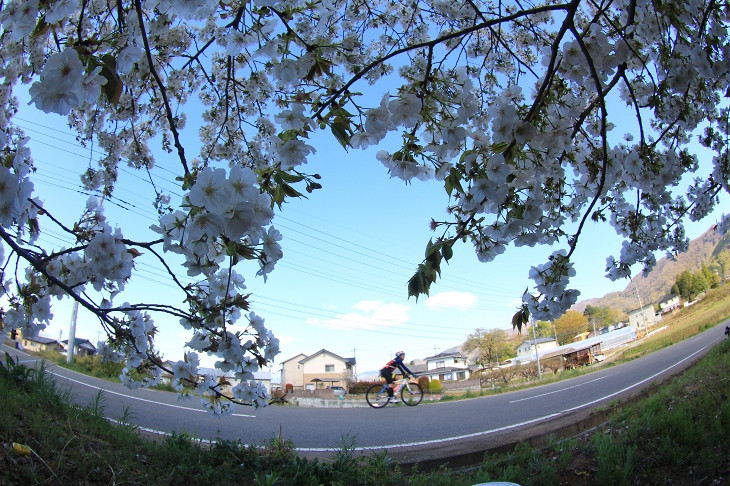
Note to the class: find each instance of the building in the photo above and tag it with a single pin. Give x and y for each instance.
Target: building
(543, 345)
(263, 377)
(668, 304)
(605, 341)
(323, 369)
(450, 365)
(642, 318)
(83, 347)
(40, 343)
(292, 372)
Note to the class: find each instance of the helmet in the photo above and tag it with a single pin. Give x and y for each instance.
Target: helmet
(399, 353)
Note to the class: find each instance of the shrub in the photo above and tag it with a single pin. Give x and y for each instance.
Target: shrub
(424, 382)
(434, 386)
(360, 387)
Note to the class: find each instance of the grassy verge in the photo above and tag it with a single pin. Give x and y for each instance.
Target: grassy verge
(678, 435)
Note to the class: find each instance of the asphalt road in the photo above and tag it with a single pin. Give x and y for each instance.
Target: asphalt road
(427, 430)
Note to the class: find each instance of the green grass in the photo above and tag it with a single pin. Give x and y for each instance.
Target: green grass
(678, 435)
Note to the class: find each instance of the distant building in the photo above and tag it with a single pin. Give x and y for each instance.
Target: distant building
(323, 369)
(670, 303)
(446, 366)
(642, 317)
(543, 345)
(292, 372)
(40, 343)
(607, 341)
(83, 347)
(263, 377)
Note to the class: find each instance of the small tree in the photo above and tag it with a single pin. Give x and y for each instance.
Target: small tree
(434, 386)
(527, 371)
(347, 379)
(570, 325)
(600, 316)
(491, 346)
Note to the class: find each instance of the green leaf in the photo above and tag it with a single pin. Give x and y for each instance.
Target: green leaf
(432, 248)
(41, 27)
(447, 251)
(340, 131)
(281, 177)
(499, 147)
(290, 191)
(278, 196)
(453, 181)
(113, 87)
(414, 290)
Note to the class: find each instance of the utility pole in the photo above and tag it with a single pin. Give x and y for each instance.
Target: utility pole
(643, 317)
(72, 333)
(354, 358)
(534, 343)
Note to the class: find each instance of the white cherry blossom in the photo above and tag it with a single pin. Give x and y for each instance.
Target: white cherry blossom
(516, 126)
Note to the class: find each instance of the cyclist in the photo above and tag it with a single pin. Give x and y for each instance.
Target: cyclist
(390, 367)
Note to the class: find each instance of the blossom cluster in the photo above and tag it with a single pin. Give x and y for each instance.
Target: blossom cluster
(522, 130)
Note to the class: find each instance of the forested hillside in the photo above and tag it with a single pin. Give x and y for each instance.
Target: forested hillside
(658, 283)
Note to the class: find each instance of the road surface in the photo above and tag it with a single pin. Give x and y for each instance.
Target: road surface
(430, 431)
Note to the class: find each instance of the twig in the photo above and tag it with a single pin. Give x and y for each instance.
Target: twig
(44, 463)
(60, 457)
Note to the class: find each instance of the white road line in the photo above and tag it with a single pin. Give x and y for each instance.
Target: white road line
(144, 399)
(558, 391)
(393, 446)
(513, 426)
(610, 395)
(436, 441)
(121, 394)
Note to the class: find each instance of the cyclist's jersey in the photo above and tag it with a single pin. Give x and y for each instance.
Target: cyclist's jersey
(397, 363)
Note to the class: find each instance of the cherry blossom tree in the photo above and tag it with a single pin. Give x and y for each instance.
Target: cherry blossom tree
(536, 117)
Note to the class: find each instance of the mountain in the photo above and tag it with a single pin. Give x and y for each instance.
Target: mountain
(658, 284)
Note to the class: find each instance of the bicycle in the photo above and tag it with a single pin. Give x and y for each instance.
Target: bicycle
(411, 393)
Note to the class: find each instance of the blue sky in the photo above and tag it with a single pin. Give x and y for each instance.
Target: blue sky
(349, 250)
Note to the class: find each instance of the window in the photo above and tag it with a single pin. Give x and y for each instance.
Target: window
(440, 364)
(461, 375)
(329, 368)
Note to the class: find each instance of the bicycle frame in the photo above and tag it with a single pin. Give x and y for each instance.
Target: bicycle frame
(410, 392)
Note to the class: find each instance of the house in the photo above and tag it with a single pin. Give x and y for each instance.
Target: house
(83, 347)
(606, 341)
(450, 365)
(40, 343)
(670, 303)
(527, 348)
(323, 369)
(263, 377)
(291, 372)
(642, 317)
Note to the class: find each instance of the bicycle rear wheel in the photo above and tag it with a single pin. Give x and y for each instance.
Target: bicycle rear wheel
(377, 396)
(412, 394)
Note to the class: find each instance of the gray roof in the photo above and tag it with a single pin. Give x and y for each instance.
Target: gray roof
(446, 354)
(41, 340)
(322, 351)
(538, 340)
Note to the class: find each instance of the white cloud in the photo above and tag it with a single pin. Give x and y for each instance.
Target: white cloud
(452, 300)
(367, 305)
(372, 314)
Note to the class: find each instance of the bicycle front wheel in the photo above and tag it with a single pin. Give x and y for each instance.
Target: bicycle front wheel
(412, 394)
(377, 396)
